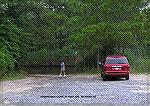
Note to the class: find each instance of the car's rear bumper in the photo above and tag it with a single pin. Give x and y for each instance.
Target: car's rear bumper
(116, 73)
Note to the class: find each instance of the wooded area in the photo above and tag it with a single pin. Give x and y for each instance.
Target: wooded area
(48, 31)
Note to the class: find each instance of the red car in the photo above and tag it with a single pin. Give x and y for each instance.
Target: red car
(115, 66)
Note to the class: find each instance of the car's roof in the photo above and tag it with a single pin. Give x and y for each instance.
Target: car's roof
(116, 56)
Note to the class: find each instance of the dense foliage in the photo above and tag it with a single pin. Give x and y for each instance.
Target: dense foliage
(47, 31)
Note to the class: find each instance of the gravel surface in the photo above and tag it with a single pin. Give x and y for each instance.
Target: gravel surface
(85, 89)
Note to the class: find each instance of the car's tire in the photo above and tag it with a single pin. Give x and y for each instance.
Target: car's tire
(127, 77)
(104, 78)
(101, 75)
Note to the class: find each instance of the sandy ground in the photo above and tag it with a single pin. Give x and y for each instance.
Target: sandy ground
(21, 85)
(135, 90)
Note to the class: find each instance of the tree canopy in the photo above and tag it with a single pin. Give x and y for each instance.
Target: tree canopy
(35, 30)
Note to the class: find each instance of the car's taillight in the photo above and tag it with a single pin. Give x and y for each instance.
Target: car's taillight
(105, 67)
(127, 68)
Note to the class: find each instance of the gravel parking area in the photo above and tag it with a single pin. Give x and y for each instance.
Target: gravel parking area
(85, 89)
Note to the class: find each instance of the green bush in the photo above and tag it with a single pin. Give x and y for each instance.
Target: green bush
(139, 63)
(142, 66)
(13, 75)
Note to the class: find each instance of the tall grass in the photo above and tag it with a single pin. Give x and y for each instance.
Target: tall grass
(140, 63)
(13, 75)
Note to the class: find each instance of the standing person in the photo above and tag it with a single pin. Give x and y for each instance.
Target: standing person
(62, 69)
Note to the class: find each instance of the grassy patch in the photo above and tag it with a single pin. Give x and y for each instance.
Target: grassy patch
(141, 66)
(13, 75)
(139, 63)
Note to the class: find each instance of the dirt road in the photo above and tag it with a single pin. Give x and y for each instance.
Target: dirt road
(76, 89)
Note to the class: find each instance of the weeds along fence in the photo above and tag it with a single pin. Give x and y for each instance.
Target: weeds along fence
(139, 59)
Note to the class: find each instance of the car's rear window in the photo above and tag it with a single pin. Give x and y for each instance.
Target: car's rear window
(116, 61)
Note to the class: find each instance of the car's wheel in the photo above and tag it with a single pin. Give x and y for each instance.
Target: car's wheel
(127, 77)
(104, 78)
(101, 75)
